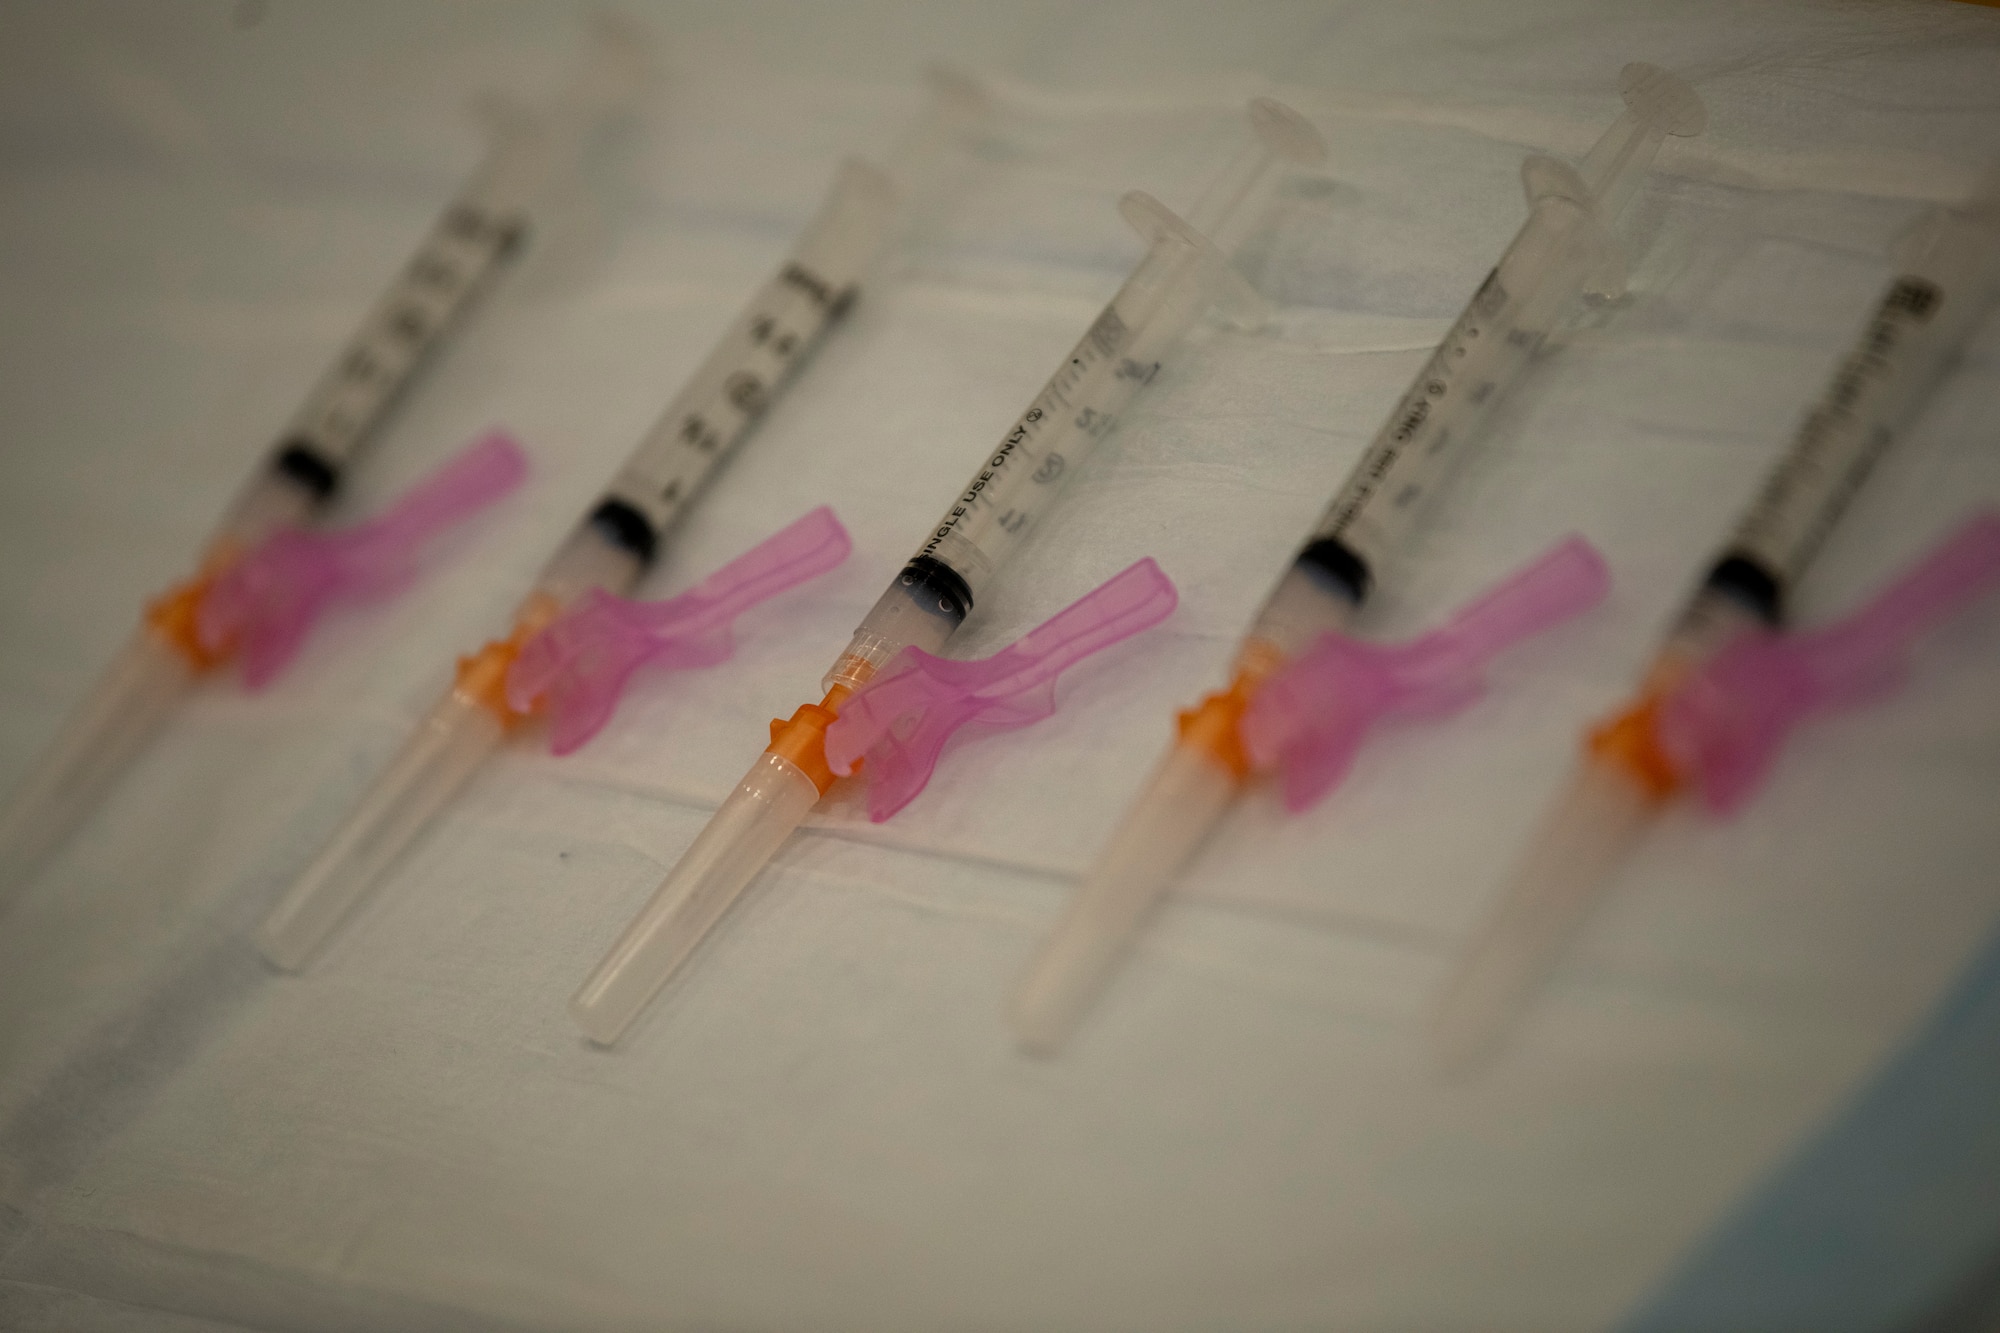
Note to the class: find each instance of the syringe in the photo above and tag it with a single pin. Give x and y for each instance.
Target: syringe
(1182, 273)
(1564, 249)
(1950, 272)
(484, 227)
(619, 538)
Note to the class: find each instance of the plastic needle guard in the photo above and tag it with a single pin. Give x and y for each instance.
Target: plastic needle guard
(1311, 717)
(264, 604)
(578, 666)
(902, 718)
(1724, 725)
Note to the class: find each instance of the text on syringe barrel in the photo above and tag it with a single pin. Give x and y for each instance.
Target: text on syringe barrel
(1843, 437)
(456, 261)
(710, 417)
(1119, 355)
(756, 356)
(1480, 358)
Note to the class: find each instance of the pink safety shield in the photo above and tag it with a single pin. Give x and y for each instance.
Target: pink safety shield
(900, 720)
(1311, 717)
(578, 666)
(1724, 726)
(266, 603)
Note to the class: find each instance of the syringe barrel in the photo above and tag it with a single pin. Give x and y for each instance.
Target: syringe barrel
(456, 262)
(1945, 289)
(1183, 271)
(271, 501)
(485, 225)
(751, 363)
(1020, 479)
(1558, 252)
(1306, 604)
(595, 556)
(706, 421)
(1657, 104)
(1119, 355)
(1627, 150)
(1436, 419)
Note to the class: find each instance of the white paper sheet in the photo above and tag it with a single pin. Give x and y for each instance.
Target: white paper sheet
(824, 1125)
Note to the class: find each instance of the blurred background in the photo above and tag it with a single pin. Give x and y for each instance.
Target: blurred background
(1761, 1091)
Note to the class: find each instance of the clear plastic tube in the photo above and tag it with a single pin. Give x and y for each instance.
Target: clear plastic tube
(771, 801)
(435, 763)
(1948, 281)
(621, 535)
(122, 715)
(1184, 799)
(486, 225)
(1018, 481)
(1021, 479)
(428, 300)
(1563, 248)
(458, 735)
(756, 357)
(1603, 816)
(1183, 273)
(817, 283)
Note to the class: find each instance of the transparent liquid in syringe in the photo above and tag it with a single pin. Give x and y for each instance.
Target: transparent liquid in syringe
(1844, 435)
(1119, 355)
(454, 263)
(756, 356)
(706, 421)
(1484, 353)
(1479, 360)
(1018, 480)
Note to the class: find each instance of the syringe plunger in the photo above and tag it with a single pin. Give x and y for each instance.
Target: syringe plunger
(1280, 137)
(1657, 104)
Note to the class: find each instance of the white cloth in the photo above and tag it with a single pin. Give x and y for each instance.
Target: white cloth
(824, 1125)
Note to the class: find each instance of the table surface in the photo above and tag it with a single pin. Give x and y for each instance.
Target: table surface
(824, 1124)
